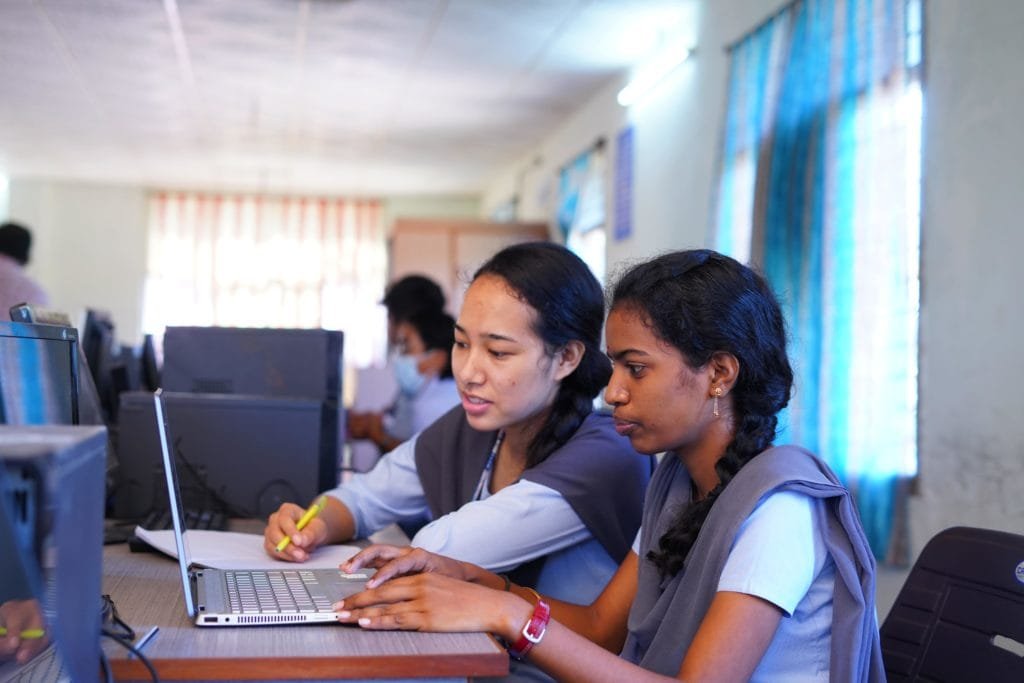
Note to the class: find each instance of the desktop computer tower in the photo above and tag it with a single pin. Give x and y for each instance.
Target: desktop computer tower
(294, 363)
(264, 361)
(51, 534)
(240, 455)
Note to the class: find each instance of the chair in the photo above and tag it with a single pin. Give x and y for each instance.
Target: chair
(960, 614)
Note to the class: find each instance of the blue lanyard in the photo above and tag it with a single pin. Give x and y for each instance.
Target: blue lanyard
(486, 474)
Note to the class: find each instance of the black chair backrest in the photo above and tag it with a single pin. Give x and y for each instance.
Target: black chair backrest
(960, 614)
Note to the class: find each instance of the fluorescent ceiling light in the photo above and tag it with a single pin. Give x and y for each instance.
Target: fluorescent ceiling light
(652, 74)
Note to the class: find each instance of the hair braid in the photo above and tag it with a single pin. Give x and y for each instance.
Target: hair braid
(702, 302)
(568, 411)
(682, 534)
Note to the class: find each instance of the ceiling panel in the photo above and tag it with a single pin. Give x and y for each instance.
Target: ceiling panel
(370, 97)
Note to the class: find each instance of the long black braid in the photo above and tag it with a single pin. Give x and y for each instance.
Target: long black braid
(569, 303)
(703, 303)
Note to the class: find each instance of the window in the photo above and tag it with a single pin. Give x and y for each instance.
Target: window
(581, 208)
(820, 189)
(254, 261)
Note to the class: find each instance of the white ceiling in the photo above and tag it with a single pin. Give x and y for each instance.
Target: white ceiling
(358, 97)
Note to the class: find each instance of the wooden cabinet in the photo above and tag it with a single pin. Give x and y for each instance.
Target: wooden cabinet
(450, 251)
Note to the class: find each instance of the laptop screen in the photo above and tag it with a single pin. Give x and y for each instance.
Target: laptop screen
(174, 496)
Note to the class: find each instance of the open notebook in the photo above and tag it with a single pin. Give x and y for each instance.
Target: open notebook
(249, 597)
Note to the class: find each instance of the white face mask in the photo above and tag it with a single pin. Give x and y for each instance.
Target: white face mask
(407, 374)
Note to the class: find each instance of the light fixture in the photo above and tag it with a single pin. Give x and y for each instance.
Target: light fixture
(652, 74)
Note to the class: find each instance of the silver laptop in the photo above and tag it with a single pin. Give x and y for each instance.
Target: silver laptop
(258, 597)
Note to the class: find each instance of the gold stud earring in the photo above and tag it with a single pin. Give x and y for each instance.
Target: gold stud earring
(714, 407)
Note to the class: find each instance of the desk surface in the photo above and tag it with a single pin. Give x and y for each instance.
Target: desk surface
(146, 588)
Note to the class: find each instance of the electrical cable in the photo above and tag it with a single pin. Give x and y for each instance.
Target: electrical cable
(118, 630)
(132, 649)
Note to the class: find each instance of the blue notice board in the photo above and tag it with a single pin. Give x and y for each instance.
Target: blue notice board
(624, 184)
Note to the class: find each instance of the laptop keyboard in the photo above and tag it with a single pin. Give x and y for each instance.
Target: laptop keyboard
(273, 591)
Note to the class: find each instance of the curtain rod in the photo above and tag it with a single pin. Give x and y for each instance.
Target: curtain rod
(597, 145)
(729, 47)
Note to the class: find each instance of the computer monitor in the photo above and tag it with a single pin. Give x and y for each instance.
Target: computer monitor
(38, 374)
(149, 369)
(296, 363)
(90, 412)
(240, 455)
(100, 352)
(51, 542)
(30, 313)
(97, 340)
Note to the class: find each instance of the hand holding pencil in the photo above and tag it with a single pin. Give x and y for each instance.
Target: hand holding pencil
(25, 633)
(280, 535)
(312, 512)
(22, 634)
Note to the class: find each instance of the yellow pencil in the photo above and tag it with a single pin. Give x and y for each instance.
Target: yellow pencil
(312, 512)
(27, 634)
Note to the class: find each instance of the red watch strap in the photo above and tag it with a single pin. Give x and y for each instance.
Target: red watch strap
(532, 631)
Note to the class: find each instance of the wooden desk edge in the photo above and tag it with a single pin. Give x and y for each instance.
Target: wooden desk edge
(256, 669)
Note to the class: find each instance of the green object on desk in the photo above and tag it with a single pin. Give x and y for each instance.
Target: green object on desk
(27, 634)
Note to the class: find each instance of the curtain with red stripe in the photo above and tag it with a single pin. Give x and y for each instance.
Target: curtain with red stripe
(262, 261)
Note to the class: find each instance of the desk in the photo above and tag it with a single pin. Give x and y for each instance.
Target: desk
(146, 588)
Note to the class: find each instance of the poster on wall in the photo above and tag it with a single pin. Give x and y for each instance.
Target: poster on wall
(624, 184)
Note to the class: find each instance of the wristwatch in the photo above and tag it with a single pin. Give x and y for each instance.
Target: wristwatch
(533, 631)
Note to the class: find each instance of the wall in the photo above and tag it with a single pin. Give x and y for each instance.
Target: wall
(971, 448)
(429, 207)
(4, 193)
(89, 247)
(972, 330)
(676, 133)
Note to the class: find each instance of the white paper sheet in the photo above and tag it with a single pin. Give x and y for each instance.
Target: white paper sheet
(233, 550)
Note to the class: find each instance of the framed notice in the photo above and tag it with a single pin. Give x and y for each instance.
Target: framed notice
(624, 184)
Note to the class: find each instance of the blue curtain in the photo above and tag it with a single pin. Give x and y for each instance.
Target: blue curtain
(571, 185)
(821, 145)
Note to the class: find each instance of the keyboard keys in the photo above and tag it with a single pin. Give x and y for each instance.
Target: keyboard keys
(275, 591)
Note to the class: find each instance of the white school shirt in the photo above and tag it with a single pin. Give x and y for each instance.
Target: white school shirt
(499, 532)
(410, 415)
(779, 555)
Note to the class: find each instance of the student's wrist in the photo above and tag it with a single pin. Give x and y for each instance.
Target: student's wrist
(478, 575)
(340, 523)
(514, 613)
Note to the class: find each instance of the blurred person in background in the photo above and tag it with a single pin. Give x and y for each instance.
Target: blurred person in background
(422, 364)
(16, 287)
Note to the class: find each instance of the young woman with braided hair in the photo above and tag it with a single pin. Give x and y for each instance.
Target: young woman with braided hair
(523, 476)
(750, 564)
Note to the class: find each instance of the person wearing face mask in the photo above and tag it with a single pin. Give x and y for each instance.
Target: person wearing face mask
(523, 476)
(422, 363)
(408, 296)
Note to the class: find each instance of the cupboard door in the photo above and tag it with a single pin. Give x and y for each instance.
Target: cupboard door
(450, 251)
